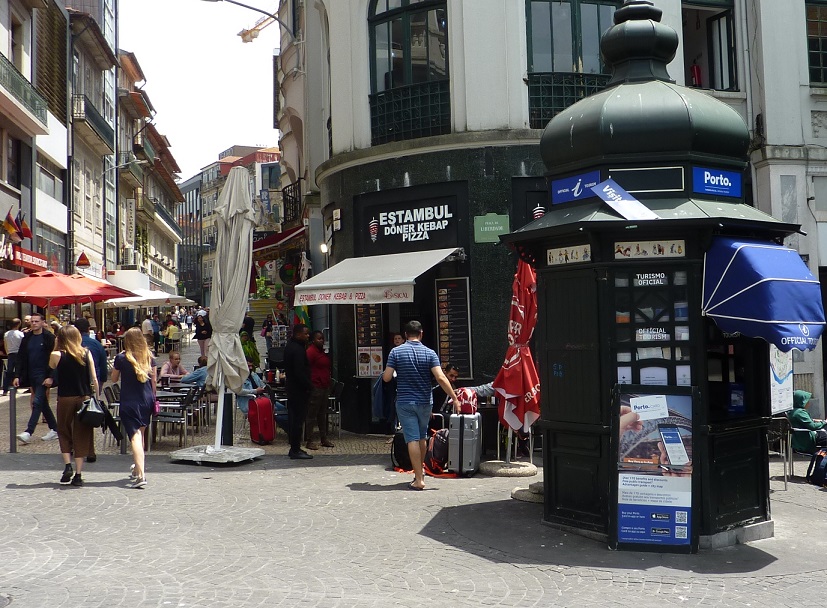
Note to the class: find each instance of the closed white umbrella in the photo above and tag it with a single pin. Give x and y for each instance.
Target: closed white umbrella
(235, 220)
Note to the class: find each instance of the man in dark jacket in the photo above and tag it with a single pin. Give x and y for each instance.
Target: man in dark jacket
(297, 380)
(32, 369)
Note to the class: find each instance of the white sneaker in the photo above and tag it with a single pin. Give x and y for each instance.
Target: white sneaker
(25, 437)
(50, 436)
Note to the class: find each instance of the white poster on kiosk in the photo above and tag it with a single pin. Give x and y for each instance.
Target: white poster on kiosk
(781, 381)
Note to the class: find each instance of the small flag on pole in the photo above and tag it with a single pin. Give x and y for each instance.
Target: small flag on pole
(12, 228)
(25, 231)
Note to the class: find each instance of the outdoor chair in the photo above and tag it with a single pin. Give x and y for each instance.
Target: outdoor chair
(334, 407)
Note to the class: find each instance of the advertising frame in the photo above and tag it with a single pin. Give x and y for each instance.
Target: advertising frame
(655, 505)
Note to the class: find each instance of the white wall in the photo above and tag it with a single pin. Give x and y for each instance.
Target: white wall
(55, 144)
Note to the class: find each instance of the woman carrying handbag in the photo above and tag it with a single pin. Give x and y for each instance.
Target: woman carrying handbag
(135, 368)
(76, 380)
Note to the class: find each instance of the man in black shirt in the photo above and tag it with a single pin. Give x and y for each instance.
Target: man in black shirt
(32, 369)
(248, 324)
(297, 380)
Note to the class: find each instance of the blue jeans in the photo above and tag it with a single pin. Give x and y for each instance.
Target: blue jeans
(414, 420)
(40, 406)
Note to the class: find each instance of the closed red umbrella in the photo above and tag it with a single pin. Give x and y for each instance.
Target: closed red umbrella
(55, 289)
(517, 383)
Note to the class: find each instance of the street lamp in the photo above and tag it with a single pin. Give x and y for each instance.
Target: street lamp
(263, 12)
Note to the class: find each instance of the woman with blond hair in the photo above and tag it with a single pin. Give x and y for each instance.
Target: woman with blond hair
(135, 368)
(76, 380)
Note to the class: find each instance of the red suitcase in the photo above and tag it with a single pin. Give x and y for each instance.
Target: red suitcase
(261, 420)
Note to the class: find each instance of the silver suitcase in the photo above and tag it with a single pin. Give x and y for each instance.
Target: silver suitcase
(464, 443)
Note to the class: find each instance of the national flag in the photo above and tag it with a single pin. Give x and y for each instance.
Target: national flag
(10, 225)
(302, 316)
(25, 231)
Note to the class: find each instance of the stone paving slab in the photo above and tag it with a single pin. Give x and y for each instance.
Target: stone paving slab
(345, 531)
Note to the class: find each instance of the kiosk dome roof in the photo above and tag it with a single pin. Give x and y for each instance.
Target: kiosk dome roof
(642, 112)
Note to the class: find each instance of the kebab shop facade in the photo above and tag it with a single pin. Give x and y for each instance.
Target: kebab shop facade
(410, 258)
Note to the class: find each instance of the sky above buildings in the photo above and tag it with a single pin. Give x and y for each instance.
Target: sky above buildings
(210, 90)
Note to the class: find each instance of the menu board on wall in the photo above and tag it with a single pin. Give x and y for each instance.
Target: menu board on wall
(453, 310)
(369, 363)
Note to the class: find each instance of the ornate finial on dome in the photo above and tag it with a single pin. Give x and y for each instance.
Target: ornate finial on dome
(638, 47)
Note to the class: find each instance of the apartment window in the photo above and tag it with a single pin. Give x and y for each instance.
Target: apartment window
(409, 69)
(817, 41)
(77, 172)
(49, 178)
(16, 44)
(709, 44)
(13, 161)
(89, 199)
(564, 61)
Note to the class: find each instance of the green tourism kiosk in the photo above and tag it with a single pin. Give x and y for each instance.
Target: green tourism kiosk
(661, 295)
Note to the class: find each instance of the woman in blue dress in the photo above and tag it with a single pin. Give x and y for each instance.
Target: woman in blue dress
(135, 368)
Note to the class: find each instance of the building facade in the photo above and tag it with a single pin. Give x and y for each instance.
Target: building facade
(413, 123)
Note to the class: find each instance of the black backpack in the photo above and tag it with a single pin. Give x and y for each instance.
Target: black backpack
(399, 453)
(436, 457)
(817, 471)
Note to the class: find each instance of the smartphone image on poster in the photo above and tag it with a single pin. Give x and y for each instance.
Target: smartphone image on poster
(671, 436)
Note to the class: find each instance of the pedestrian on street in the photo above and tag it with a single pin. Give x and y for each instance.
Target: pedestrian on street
(320, 369)
(203, 332)
(297, 381)
(414, 364)
(32, 370)
(149, 334)
(101, 361)
(248, 324)
(267, 328)
(135, 368)
(76, 380)
(11, 342)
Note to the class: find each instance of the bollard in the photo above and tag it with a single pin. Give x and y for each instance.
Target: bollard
(13, 420)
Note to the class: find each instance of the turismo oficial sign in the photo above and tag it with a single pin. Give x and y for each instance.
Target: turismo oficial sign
(716, 181)
(574, 188)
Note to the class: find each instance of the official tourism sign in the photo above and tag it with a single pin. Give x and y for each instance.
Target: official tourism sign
(716, 181)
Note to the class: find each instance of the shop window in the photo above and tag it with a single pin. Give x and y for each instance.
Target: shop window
(564, 61)
(817, 41)
(709, 44)
(409, 69)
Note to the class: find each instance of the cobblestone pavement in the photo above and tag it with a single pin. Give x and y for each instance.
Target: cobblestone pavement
(343, 530)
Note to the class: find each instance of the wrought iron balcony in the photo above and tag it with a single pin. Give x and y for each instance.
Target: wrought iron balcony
(130, 168)
(143, 148)
(291, 197)
(146, 206)
(170, 221)
(84, 112)
(549, 93)
(416, 110)
(22, 90)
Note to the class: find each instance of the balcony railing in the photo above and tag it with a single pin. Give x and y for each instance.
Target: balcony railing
(84, 109)
(146, 206)
(549, 93)
(416, 110)
(167, 217)
(142, 146)
(16, 84)
(291, 196)
(127, 162)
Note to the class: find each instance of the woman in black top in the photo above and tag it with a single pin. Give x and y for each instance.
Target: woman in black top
(76, 380)
(203, 333)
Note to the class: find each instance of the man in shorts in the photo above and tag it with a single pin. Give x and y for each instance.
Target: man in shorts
(414, 364)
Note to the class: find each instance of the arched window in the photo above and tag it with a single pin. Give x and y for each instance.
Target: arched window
(564, 62)
(409, 69)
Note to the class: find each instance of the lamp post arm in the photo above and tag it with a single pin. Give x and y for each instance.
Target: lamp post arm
(263, 12)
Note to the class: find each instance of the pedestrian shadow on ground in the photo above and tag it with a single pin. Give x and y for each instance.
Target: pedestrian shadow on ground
(510, 531)
(377, 487)
(87, 483)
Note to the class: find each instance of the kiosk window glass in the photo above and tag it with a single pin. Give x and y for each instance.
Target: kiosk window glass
(736, 370)
(648, 305)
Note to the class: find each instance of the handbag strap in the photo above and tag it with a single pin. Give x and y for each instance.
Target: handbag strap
(89, 372)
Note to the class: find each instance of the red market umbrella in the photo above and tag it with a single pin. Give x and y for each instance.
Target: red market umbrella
(517, 383)
(48, 288)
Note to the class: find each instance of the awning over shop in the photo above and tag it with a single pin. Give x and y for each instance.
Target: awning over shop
(762, 290)
(274, 241)
(375, 279)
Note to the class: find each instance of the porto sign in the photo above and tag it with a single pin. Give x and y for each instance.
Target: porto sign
(716, 181)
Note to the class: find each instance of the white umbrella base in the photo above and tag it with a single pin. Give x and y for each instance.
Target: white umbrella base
(499, 468)
(207, 453)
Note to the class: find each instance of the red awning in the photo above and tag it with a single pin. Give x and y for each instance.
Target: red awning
(276, 240)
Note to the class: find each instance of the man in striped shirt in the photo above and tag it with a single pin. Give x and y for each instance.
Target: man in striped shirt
(414, 364)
